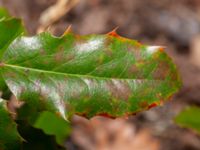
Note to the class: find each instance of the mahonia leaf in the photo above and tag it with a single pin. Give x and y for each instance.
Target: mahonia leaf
(189, 118)
(9, 137)
(50, 123)
(88, 75)
(57, 126)
(10, 28)
(4, 13)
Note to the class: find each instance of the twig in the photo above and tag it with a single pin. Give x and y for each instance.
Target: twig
(54, 13)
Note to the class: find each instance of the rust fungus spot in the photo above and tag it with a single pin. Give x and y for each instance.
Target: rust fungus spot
(83, 114)
(132, 70)
(100, 60)
(169, 98)
(143, 104)
(86, 97)
(46, 62)
(162, 71)
(174, 76)
(161, 49)
(137, 54)
(109, 52)
(106, 115)
(70, 57)
(114, 33)
(138, 44)
(119, 90)
(2, 64)
(11, 75)
(131, 113)
(58, 114)
(152, 105)
(59, 56)
(42, 52)
(108, 42)
(27, 71)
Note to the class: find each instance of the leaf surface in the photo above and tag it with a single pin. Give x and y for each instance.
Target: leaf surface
(4, 13)
(10, 28)
(9, 137)
(88, 75)
(53, 125)
(189, 118)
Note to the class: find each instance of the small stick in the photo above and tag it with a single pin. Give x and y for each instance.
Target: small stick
(55, 12)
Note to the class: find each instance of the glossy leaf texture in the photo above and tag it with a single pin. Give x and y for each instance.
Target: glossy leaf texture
(9, 137)
(88, 75)
(189, 118)
(10, 28)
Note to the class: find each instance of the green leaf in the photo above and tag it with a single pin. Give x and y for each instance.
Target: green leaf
(51, 124)
(9, 137)
(4, 13)
(10, 29)
(189, 118)
(88, 75)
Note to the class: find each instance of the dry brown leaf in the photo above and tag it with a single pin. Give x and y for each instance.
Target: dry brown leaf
(195, 51)
(107, 134)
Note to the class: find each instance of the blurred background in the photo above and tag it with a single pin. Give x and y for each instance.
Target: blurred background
(174, 24)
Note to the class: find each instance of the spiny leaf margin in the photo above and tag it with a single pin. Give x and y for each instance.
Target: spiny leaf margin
(88, 75)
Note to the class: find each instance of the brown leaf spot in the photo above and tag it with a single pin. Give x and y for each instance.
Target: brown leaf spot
(131, 114)
(135, 52)
(27, 71)
(69, 57)
(161, 49)
(100, 59)
(59, 56)
(83, 114)
(11, 75)
(138, 44)
(119, 89)
(162, 71)
(109, 52)
(132, 70)
(2, 64)
(42, 52)
(152, 105)
(106, 115)
(174, 76)
(143, 104)
(46, 61)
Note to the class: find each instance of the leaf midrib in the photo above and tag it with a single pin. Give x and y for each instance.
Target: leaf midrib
(68, 74)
